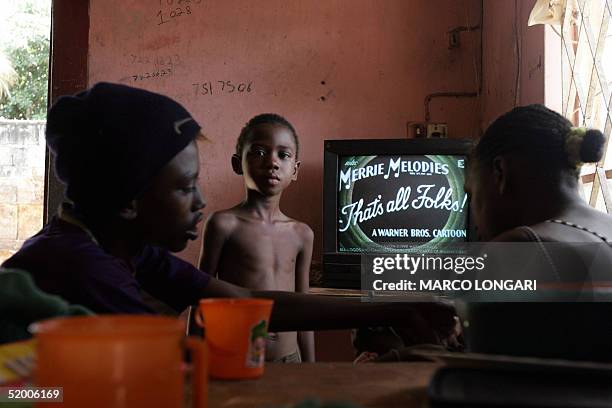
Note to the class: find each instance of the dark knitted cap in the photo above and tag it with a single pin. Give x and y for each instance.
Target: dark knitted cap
(111, 140)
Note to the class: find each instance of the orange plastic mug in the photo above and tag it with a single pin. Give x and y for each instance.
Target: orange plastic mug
(118, 361)
(236, 331)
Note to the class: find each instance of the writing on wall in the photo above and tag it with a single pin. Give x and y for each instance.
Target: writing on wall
(173, 9)
(220, 87)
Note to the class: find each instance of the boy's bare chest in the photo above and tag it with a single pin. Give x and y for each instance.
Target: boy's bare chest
(261, 258)
(278, 243)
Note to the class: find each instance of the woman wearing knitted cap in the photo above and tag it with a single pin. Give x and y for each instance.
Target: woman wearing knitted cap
(130, 163)
(523, 183)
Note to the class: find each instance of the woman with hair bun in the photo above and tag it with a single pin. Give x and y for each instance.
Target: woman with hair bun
(523, 183)
(523, 179)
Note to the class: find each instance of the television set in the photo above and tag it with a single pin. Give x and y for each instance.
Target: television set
(391, 195)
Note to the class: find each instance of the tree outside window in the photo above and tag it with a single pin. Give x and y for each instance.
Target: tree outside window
(24, 58)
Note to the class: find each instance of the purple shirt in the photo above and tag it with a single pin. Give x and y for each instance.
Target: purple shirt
(64, 260)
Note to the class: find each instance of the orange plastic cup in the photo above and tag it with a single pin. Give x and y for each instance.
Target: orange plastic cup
(236, 331)
(118, 361)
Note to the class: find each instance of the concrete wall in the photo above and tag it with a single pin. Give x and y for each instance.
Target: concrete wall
(336, 69)
(22, 172)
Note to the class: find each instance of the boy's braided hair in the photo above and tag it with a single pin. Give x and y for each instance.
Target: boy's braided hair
(543, 135)
(265, 118)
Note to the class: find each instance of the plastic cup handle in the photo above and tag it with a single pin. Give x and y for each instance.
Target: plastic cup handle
(199, 372)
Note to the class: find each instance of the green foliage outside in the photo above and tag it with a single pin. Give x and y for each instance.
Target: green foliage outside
(24, 43)
(28, 95)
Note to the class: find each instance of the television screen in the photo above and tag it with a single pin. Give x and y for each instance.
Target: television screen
(400, 202)
(391, 195)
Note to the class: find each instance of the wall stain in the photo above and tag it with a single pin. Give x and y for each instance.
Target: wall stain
(161, 42)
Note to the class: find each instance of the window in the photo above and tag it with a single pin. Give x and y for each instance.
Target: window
(586, 36)
(24, 55)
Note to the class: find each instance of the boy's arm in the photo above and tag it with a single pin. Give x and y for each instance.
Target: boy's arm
(302, 284)
(298, 311)
(216, 231)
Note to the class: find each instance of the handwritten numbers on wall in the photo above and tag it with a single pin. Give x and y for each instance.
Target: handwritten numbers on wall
(154, 74)
(172, 9)
(157, 60)
(203, 88)
(154, 66)
(221, 87)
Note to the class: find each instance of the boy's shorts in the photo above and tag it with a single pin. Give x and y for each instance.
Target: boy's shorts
(294, 357)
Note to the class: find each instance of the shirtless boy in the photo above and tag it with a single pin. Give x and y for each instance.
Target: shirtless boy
(254, 244)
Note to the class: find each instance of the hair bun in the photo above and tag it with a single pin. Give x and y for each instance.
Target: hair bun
(591, 148)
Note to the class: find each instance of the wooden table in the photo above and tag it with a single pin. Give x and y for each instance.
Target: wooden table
(367, 385)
